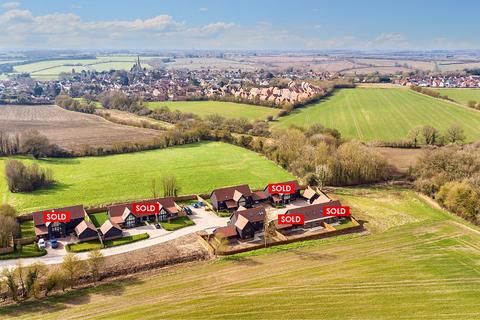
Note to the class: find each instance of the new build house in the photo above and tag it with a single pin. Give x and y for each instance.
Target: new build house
(284, 198)
(313, 213)
(231, 198)
(123, 216)
(110, 230)
(52, 230)
(86, 231)
(248, 221)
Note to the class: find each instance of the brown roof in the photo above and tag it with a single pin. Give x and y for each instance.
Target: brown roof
(309, 193)
(41, 230)
(231, 204)
(253, 214)
(84, 225)
(295, 182)
(241, 222)
(118, 214)
(76, 212)
(107, 225)
(322, 199)
(227, 232)
(259, 195)
(168, 203)
(227, 193)
(313, 211)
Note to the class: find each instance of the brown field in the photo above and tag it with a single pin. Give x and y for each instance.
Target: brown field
(68, 129)
(401, 159)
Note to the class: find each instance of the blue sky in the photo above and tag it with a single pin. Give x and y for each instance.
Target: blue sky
(243, 24)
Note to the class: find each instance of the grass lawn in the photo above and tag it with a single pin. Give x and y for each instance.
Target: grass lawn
(27, 251)
(225, 109)
(27, 229)
(177, 223)
(94, 244)
(199, 168)
(383, 114)
(461, 95)
(417, 263)
(98, 218)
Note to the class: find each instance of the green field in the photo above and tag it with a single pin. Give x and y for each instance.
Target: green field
(224, 109)
(96, 245)
(417, 263)
(198, 167)
(177, 223)
(52, 68)
(461, 95)
(383, 114)
(98, 219)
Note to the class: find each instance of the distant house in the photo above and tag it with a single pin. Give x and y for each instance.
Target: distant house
(110, 230)
(53, 230)
(86, 231)
(313, 214)
(280, 198)
(123, 215)
(248, 221)
(231, 198)
(310, 195)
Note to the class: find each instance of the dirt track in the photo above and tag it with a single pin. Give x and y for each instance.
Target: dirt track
(69, 129)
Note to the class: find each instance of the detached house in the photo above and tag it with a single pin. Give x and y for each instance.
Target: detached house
(313, 214)
(281, 198)
(110, 230)
(248, 221)
(310, 195)
(52, 230)
(123, 215)
(231, 198)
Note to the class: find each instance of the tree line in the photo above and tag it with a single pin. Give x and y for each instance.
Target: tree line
(451, 175)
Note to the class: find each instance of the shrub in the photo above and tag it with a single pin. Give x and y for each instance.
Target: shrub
(22, 178)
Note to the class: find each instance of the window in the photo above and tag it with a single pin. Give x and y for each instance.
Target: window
(57, 227)
(163, 215)
(242, 202)
(130, 222)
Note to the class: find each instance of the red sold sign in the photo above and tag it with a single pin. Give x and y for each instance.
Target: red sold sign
(291, 219)
(284, 188)
(51, 216)
(146, 208)
(336, 211)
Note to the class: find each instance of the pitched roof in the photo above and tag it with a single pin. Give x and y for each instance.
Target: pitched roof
(227, 231)
(295, 182)
(241, 222)
(167, 203)
(83, 226)
(322, 199)
(253, 214)
(119, 212)
(259, 195)
(108, 225)
(227, 193)
(76, 212)
(309, 193)
(313, 211)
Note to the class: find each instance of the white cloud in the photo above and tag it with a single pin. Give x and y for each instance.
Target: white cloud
(10, 5)
(203, 9)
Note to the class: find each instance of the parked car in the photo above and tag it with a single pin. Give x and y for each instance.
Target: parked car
(42, 244)
(158, 226)
(188, 211)
(195, 205)
(54, 243)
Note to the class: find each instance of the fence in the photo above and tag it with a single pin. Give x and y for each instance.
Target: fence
(6, 250)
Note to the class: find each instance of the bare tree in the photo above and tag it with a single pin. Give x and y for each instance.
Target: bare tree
(35, 274)
(430, 135)
(10, 282)
(269, 229)
(72, 265)
(170, 186)
(414, 135)
(154, 188)
(35, 144)
(8, 224)
(455, 134)
(95, 262)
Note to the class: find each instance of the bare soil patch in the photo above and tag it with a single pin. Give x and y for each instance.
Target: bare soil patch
(68, 129)
(400, 158)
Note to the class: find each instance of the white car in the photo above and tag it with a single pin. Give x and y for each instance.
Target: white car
(42, 244)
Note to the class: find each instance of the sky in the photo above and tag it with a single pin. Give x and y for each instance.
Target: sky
(240, 25)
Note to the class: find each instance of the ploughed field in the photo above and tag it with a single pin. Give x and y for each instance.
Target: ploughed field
(224, 109)
(69, 129)
(199, 168)
(418, 262)
(383, 114)
(462, 95)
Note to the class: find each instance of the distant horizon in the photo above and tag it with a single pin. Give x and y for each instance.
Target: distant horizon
(247, 25)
